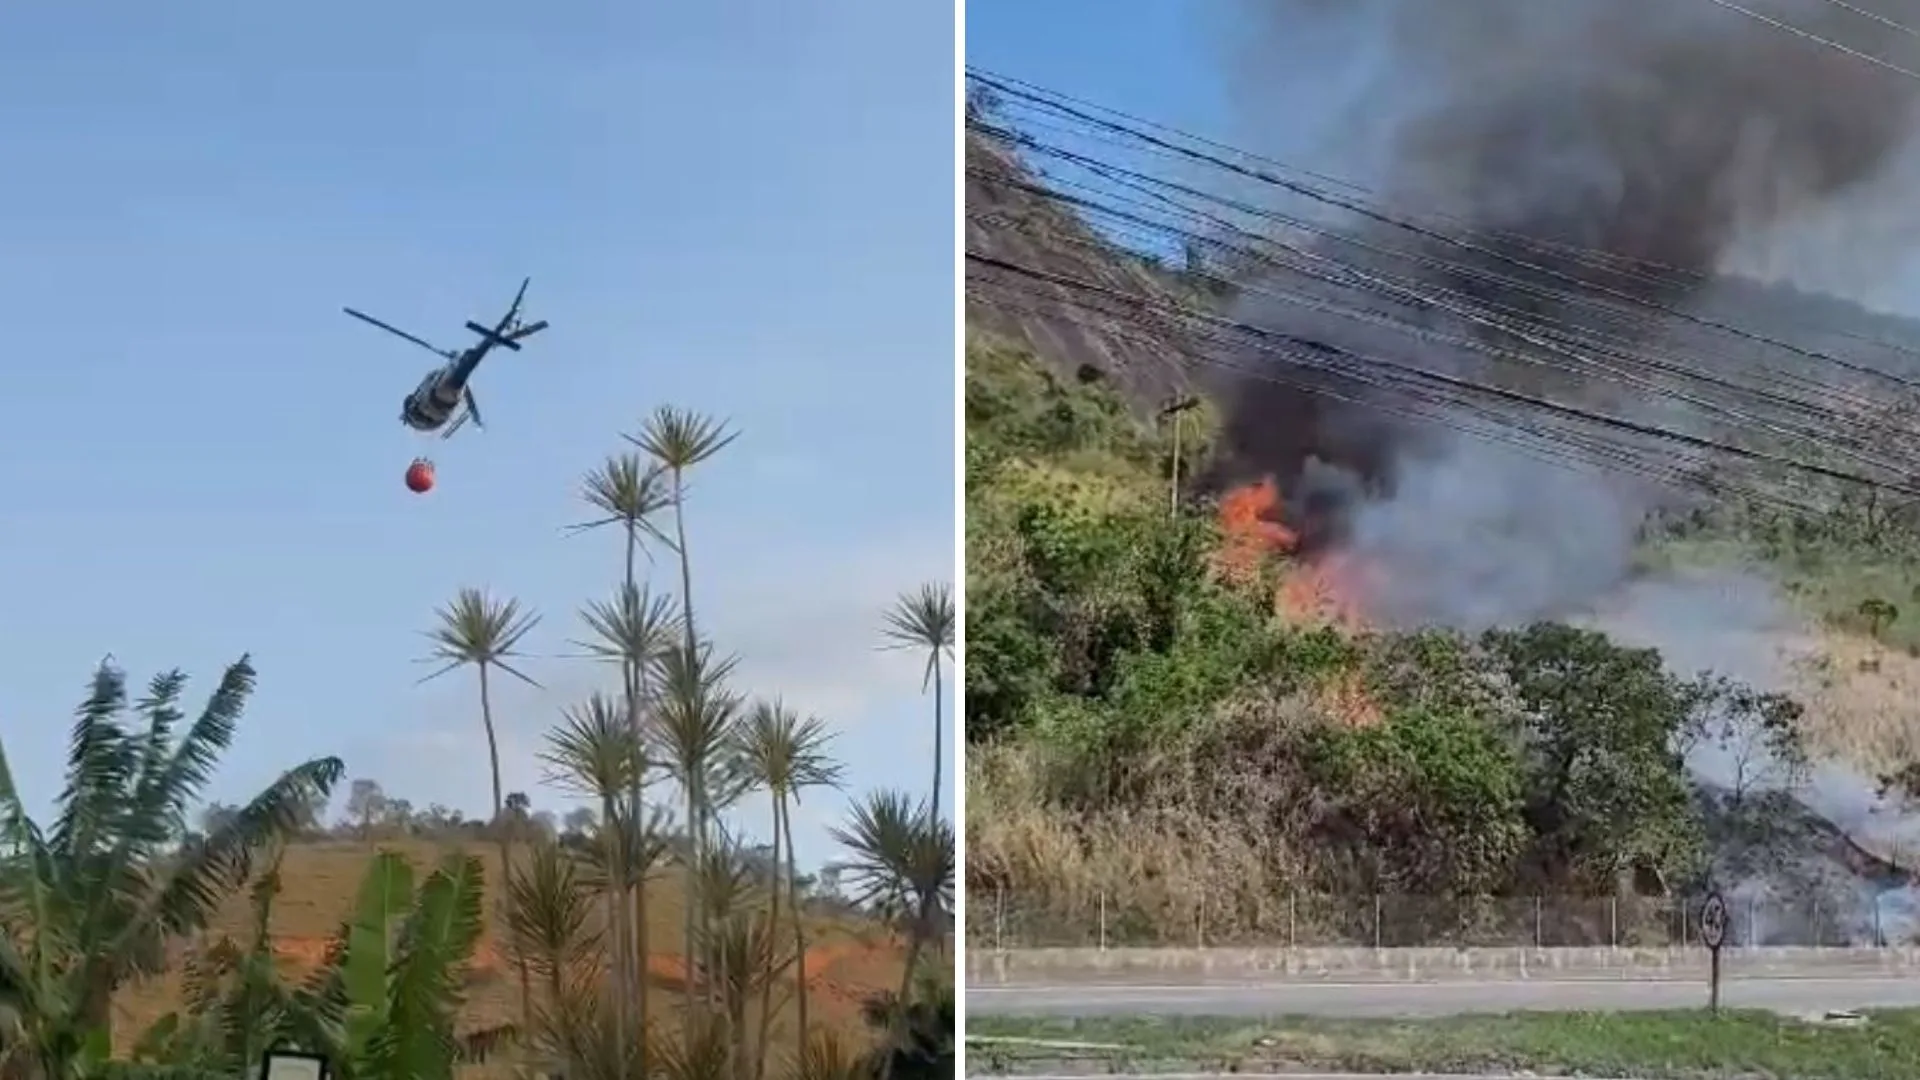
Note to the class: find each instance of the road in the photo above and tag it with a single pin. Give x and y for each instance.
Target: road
(1243, 1075)
(1255, 999)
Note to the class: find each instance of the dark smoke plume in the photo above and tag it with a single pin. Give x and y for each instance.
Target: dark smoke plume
(1660, 131)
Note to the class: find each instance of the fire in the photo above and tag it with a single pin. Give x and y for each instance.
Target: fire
(1250, 531)
(1323, 590)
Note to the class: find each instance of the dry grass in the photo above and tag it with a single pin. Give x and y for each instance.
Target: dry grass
(1860, 699)
(845, 963)
(1176, 865)
(1165, 869)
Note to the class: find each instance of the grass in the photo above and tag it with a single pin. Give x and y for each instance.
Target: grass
(1691, 1045)
(1856, 680)
(847, 962)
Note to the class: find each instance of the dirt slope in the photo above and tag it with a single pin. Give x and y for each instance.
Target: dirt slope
(844, 964)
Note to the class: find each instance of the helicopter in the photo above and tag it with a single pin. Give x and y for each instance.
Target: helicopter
(444, 394)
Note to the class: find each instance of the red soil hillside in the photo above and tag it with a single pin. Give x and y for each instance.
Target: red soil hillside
(845, 963)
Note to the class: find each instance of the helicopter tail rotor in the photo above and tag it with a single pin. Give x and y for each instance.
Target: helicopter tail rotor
(511, 338)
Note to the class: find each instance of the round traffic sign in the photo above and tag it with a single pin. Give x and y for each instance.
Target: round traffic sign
(1713, 921)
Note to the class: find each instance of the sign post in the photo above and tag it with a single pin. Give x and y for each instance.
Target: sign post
(1713, 933)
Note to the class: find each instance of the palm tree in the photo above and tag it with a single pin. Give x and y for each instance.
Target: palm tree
(549, 924)
(901, 855)
(693, 733)
(784, 753)
(629, 493)
(678, 439)
(91, 902)
(634, 630)
(477, 630)
(595, 754)
(923, 619)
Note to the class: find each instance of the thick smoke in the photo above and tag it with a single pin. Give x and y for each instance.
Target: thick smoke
(1656, 131)
(1670, 133)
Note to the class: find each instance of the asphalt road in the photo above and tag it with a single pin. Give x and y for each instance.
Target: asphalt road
(1452, 998)
(1243, 1077)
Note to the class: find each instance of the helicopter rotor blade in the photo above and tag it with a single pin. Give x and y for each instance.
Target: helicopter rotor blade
(399, 333)
(473, 408)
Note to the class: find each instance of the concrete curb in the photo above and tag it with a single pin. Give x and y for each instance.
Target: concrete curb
(1041, 966)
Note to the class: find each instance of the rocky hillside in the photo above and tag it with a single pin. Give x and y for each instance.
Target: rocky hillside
(1076, 331)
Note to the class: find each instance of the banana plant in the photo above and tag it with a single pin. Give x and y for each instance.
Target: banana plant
(92, 901)
(235, 1001)
(384, 1004)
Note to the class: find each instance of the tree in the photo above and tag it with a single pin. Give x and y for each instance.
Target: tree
(1879, 614)
(693, 732)
(366, 804)
(398, 815)
(1604, 726)
(580, 820)
(478, 631)
(785, 754)
(634, 631)
(630, 493)
(677, 440)
(91, 901)
(902, 855)
(924, 620)
(595, 753)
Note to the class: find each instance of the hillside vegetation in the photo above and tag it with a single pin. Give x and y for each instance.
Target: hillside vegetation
(1161, 749)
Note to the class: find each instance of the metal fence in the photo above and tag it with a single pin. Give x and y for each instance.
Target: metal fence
(1000, 920)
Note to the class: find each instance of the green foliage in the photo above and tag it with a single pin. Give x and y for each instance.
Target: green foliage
(1425, 802)
(381, 1008)
(1851, 565)
(916, 1038)
(1607, 785)
(1082, 587)
(235, 1001)
(1545, 757)
(91, 902)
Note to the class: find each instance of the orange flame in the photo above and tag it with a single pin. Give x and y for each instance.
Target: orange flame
(1324, 590)
(1250, 531)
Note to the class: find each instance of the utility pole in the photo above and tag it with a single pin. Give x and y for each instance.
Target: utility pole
(1177, 409)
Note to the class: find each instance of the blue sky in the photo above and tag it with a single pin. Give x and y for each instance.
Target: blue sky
(1213, 69)
(1310, 93)
(743, 207)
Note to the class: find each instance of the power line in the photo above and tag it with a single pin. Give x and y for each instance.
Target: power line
(1124, 178)
(1553, 336)
(1441, 379)
(1788, 28)
(1344, 183)
(1874, 16)
(1362, 210)
(1568, 448)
